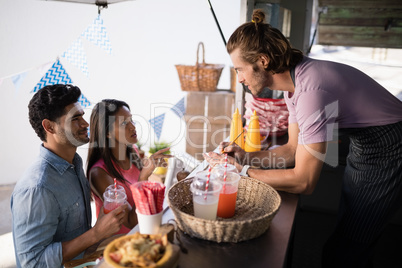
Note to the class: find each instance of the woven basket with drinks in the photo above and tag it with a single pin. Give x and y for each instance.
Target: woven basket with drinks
(257, 204)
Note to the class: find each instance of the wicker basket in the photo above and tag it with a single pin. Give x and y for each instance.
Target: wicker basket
(202, 76)
(257, 204)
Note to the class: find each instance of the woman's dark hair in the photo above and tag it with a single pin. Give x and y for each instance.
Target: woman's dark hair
(256, 38)
(101, 122)
(50, 103)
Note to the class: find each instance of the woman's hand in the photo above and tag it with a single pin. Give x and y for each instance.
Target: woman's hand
(214, 159)
(155, 160)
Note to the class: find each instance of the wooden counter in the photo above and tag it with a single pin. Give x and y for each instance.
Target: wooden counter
(268, 250)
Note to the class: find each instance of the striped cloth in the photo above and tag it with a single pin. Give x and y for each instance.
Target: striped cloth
(371, 194)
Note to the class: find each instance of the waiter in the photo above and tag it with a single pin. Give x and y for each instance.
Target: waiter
(324, 97)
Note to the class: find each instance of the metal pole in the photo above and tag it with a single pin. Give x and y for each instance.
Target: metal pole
(217, 23)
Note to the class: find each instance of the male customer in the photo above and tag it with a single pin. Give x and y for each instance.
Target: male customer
(51, 202)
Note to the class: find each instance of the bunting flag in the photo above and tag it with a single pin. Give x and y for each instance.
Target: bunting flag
(18, 79)
(84, 101)
(179, 108)
(157, 124)
(96, 33)
(55, 75)
(75, 54)
(42, 69)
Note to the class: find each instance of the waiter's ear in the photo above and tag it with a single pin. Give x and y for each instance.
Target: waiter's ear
(264, 61)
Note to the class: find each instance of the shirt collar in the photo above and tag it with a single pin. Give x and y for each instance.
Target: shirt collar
(58, 163)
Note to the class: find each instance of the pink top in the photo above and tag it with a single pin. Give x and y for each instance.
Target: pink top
(131, 175)
(330, 95)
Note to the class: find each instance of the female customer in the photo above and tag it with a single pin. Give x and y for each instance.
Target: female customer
(112, 154)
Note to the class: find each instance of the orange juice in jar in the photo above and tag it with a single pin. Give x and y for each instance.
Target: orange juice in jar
(228, 195)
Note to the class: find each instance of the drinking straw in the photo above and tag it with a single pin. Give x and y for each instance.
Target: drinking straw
(140, 198)
(207, 184)
(115, 188)
(148, 196)
(226, 167)
(225, 172)
(158, 191)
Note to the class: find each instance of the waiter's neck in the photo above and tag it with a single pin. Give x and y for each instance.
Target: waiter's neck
(283, 82)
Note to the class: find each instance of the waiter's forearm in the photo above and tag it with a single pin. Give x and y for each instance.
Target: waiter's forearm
(280, 157)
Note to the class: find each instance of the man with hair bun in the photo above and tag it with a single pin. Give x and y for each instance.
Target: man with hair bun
(50, 204)
(324, 98)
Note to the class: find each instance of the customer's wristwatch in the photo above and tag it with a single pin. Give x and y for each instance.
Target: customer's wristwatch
(244, 170)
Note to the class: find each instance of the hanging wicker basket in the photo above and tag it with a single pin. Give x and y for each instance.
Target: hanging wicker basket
(202, 76)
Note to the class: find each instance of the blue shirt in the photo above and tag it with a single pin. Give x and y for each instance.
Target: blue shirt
(50, 204)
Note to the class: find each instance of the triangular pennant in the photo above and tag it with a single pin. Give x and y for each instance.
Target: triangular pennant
(96, 33)
(18, 79)
(76, 55)
(84, 101)
(44, 67)
(179, 108)
(157, 124)
(55, 75)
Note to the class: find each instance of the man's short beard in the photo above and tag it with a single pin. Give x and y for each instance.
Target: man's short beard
(73, 139)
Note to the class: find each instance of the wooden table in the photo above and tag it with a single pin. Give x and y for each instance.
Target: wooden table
(268, 250)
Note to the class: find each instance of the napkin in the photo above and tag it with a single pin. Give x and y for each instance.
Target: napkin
(148, 196)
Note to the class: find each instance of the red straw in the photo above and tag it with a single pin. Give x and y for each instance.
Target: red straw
(226, 167)
(148, 196)
(225, 172)
(207, 184)
(115, 184)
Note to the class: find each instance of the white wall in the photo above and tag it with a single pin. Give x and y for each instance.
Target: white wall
(148, 38)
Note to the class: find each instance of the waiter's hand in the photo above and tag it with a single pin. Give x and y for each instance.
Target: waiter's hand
(233, 150)
(214, 159)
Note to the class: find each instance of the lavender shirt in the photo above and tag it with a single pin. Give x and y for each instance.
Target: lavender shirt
(331, 95)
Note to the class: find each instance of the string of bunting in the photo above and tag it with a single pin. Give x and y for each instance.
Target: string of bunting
(75, 54)
(179, 108)
(55, 75)
(96, 33)
(58, 75)
(18, 79)
(157, 122)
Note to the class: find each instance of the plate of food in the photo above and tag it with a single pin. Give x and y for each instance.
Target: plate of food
(140, 250)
